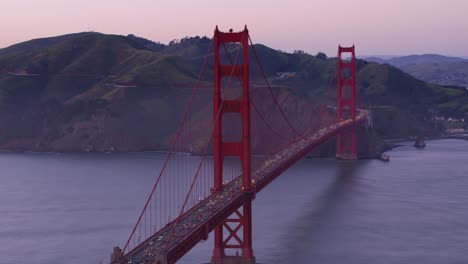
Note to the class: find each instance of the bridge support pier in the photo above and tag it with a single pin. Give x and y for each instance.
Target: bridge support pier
(235, 233)
(346, 145)
(346, 105)
(231, 227)
(234, 260)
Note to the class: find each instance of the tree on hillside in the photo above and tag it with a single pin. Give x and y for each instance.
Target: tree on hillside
(321, 56)
(299, 52)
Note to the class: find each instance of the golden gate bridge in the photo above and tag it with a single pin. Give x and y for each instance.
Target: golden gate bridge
(195, 195)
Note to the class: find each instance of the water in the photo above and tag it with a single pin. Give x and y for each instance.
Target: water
(75, 208)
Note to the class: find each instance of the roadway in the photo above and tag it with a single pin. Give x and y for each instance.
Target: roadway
(174, 240)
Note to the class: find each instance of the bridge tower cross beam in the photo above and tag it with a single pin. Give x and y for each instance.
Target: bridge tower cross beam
(346, 102)
(239, 149)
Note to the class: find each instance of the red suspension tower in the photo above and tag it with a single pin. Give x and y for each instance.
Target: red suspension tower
(346, 109)
(241, 220)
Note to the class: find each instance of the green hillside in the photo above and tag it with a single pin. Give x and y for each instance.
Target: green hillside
(97, 92)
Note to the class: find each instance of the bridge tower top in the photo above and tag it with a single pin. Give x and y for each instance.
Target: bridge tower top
(346, 83)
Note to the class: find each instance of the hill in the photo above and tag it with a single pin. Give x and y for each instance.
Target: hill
(416, 59)
(98, 92)
(431, 68)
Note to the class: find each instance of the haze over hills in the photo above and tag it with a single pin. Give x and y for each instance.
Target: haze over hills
(98, 92)
(415, 59)
(438, 69)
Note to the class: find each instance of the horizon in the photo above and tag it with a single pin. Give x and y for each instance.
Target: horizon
(363, 56)
(404, 28)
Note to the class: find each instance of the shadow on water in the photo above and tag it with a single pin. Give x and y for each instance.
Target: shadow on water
(299, 238)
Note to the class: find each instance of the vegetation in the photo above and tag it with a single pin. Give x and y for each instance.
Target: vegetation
(432, 68)
(96, 92)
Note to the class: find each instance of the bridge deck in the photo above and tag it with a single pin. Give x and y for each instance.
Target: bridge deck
(195, 224)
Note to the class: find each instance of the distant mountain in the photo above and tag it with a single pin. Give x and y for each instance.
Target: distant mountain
(417, 59)
(97, 92)
(432, 68)
(375, 56)
(452, 73)
(376, 59)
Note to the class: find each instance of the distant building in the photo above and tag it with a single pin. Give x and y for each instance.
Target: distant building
(285, 75)
(451, 119)
(455, 130)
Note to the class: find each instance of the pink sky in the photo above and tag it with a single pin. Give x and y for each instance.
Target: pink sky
(375, 26)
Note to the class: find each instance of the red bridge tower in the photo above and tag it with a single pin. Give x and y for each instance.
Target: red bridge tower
(241, 219)
(346, 108)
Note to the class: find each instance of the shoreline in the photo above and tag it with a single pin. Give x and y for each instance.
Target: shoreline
(394, 143)
(463, 136)
(389, 144)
